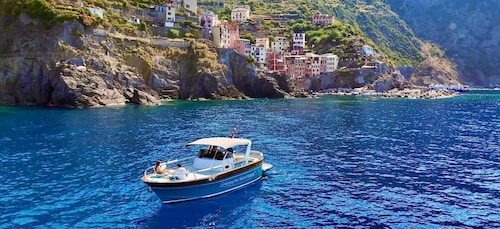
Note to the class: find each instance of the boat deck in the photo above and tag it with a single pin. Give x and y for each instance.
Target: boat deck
(195, 174)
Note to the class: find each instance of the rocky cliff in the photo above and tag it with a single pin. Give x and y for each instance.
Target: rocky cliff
(72, 66)
(468, 32)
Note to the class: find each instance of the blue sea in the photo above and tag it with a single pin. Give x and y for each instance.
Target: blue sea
(339, 162)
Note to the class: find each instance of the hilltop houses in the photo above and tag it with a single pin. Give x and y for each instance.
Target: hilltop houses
(322, 19)
(286, 55)
(166, 12)
(189, 5)
(240, 13)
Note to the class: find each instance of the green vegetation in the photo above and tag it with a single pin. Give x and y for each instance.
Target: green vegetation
(173, 33)
(205, 57)
(43, 10)
(249, 37)
(367, 21)
(190, 30)
(358, 22)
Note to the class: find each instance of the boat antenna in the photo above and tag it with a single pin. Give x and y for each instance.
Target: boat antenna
(233, 133)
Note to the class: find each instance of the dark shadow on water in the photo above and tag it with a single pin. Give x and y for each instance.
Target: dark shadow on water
(202, 212)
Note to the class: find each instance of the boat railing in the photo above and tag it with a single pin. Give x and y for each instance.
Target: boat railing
(211, 169)
(146, 171)
(256, 154)
(181, 161)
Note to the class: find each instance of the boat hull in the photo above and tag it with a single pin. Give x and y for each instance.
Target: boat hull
(221, 184)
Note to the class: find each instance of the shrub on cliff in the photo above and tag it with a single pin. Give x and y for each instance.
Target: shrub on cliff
(45, 12)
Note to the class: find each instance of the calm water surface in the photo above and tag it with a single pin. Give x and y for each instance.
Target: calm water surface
(338, 162)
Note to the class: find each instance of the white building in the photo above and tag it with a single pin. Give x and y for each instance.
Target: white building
(259, 53)
(168, 9)
(279, 45)
(367, 50)
(134, 21)
(221, 37)
(240, 13)
(329, 62)
(299, 41)
(262, 42)
(96, 11)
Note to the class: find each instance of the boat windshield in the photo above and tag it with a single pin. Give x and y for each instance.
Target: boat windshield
(217, 153)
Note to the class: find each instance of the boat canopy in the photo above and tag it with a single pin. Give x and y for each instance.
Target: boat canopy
(221, 142)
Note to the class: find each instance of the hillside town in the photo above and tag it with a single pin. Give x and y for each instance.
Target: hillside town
(108, 53)
(281, 54)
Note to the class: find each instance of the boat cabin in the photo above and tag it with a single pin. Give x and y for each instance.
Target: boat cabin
(214, 157)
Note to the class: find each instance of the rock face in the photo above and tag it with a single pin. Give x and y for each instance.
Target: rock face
(249, 80)
(471, 40)
(70, 66)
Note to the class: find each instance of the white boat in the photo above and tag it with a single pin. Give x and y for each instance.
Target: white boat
(219, 165)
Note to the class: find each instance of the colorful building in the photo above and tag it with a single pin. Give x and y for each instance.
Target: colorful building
(275, 62)
(313, 62)
(295, 66)
(225, 35)
(243, 47)
(208, 20)
(259, 53)
(299, 41)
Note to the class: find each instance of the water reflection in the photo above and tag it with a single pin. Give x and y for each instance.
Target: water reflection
(208, 212)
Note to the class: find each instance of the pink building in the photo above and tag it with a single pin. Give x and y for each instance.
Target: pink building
(208, 20)
(243, 47)
(275, 62)
(295, 66)
(313, 63)
(225, 35)
(234, 33)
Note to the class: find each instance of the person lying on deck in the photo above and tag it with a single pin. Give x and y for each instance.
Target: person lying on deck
(160, 169)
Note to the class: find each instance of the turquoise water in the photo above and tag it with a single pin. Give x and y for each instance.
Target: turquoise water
(345, 161)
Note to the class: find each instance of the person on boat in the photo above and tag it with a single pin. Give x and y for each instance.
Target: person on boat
(159, 169)
(229, 153)
(180, 172)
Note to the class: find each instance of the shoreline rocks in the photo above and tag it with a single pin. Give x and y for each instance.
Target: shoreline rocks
(410, 93)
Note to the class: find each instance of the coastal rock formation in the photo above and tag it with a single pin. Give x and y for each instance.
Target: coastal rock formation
(72, 66)
(251, 81)
(471, 41)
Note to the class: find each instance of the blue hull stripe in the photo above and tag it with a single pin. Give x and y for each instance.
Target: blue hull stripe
(211, 195)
